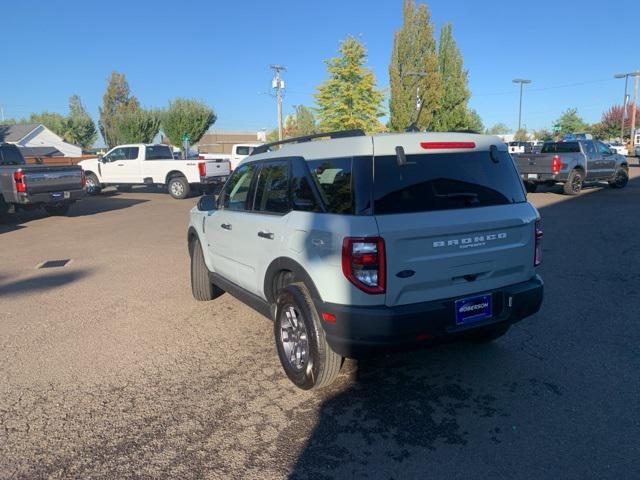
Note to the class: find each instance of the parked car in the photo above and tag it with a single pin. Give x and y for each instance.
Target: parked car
(619, 148)
(140, 164)
(440, 243)
(241, 151)
(23, 187)
(572, 163)
(518, 147)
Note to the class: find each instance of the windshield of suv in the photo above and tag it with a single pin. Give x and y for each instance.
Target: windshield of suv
(561, 147)
(430, 182)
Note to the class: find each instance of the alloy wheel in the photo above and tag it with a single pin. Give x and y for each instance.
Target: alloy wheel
(294, 338)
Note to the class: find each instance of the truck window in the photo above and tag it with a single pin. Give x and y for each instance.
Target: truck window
(158, 152)
(561, 147)
(244, 150)
(272, 191)
(333, 178)
(132, 153)
(430, 182)
(10, 155)
(116, 155)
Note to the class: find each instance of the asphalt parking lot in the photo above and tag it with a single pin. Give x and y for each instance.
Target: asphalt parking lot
(109, 368)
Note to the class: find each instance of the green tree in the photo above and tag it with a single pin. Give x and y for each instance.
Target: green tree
(81, 129)
(136, 126)
(57, 123)
(521, 135)
(453, 112)
(349, 97)
(414, 64)
(499, 129)
(473, 121)
(117, 100)
(186, 117)
(543, 134)
(570, 122)
(301, 122)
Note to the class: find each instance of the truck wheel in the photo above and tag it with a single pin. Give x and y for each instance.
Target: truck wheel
(302, 347)
(93, 185)
(179, 188)
(201, 287)
(489, 334)
(57, 209)
(620, 179)
(530, 187)
(573, 185)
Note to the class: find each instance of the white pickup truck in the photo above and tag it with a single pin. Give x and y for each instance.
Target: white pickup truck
(140, 164)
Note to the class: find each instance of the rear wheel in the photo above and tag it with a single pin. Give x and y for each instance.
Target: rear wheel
(304, 353)
(179, 188)
(58, 209)
(573, 185)
(620, 179)
(4, 210)
(201, 287)
(93, 185)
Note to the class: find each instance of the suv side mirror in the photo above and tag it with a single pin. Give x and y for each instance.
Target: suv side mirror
(207, 203)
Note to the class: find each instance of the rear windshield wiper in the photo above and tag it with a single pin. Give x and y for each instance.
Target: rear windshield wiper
(470, 197)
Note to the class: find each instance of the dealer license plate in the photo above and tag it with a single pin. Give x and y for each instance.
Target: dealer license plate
(473, 309)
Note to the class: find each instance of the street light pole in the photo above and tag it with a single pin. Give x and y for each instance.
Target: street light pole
(633, 110)
(522, 82)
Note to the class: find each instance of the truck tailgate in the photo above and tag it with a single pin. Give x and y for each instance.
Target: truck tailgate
(52, 178)
(217, 168)
(534, 163)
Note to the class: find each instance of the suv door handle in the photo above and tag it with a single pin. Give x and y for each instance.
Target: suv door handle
(267, 235)
(226, 226)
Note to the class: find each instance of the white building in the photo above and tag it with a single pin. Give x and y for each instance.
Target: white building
(37, 135)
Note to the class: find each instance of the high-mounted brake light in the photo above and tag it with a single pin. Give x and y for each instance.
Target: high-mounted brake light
(202, 168)
(556, 164)
(20, 181)
(446, 145)
(364, 263)
(537, 255)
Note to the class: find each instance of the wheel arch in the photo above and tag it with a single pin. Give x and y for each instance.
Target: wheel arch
(173, 174)
(286, 264)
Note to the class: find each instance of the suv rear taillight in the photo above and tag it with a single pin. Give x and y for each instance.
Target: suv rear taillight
(20, 181)
(202, 168)
(537, 255)
(363, 263)
(556, 164)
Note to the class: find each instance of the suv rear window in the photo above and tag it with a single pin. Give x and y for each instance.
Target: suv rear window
(430, 182)
(561, 147)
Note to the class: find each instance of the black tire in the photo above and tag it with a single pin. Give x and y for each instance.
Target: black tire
(57, 209)
(201, 287)
(93, 185)
(322, 365)
(573, 185)
(620, 179)
(4, 210)
(124, 188)
(179, 188)
(489, 334)
(530, 187)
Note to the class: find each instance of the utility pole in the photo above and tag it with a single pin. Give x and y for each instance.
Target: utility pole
(624, 102)
(633, 110)
(522, 82)
(278, 85)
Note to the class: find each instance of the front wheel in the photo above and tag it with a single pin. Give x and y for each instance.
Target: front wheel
(304, 353)
(620, 179)
(57, 209)
(179, 188)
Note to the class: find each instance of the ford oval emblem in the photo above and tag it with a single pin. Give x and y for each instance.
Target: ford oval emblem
(405, 274)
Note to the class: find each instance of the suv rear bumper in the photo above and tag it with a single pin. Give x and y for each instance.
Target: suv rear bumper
(361, 331)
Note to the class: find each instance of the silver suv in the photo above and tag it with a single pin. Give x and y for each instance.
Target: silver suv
(360, 244)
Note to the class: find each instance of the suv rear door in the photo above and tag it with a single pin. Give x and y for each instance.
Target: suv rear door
(454, 222)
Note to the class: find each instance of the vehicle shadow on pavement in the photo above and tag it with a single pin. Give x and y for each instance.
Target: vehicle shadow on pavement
(40, 284)
(532, 400)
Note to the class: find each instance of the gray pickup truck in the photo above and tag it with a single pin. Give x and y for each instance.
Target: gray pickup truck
(23, 187)
(572, 163)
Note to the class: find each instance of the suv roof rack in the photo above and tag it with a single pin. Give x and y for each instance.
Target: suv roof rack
(307, 138)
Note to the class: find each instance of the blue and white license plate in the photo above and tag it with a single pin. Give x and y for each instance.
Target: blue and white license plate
(60, 195)
(473, 309)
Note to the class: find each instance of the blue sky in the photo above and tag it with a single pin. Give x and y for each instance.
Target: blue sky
(220, 51)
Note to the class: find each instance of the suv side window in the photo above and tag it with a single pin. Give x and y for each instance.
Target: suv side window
(236, 191)
(272, 191)
(302, 195)
(333, 179)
